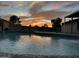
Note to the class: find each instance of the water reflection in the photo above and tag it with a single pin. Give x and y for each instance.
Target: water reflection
(41, 41)
(20, 43)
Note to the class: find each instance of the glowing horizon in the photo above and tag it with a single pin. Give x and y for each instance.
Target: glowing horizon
(39, 24)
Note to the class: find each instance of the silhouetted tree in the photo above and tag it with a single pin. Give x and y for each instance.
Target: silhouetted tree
(45, 25)
(56, 24)
(1, 23)
(53, 21)
(14, 19)
(36, 26)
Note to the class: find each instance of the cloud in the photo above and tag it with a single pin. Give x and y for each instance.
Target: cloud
(72, 4)
(50, 14)
(3, 4)
(49, 9)
(39, 6)
(72, 7)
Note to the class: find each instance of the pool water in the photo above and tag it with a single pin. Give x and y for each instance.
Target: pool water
(19, 43)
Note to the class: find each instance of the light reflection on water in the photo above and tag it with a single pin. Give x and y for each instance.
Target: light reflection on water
(17, 43)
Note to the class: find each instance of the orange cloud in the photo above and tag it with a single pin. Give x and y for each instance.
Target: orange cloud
(34, 23)
(39, 17)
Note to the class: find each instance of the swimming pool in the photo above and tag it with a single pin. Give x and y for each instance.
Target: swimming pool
(19, 43)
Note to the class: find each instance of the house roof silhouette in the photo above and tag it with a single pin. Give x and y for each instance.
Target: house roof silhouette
(74, 15)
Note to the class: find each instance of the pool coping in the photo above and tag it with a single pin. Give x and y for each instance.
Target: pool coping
(47, 33)
(58, 33)
(8, 55)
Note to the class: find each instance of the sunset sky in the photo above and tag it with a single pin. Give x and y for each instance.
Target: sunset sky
(38, 10)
